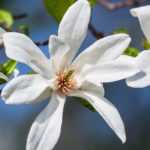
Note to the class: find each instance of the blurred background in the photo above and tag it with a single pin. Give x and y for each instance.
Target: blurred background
(82, 129)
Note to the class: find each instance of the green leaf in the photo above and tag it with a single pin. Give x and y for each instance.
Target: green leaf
(132, 51)
(8, 67)
(120, 30)
(146, 44)
(57, 8)
(6, 18)
(86, 104)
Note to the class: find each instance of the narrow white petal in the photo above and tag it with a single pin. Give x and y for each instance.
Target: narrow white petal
(143, 14)
(20, 48)
(3, 76)
(46, 129)
(105, 49)
(139, 80)
(26, 89)
(143, 60)
(58, 50)
(74, 25)
(142, 78)
(111, 71)
(16, 73)
(94, 88)
(107, 110)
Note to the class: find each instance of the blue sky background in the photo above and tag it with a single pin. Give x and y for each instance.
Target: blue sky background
(82, 129)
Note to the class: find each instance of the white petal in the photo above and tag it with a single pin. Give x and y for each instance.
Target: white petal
(143, 60)
(3, 76)
(74, 25)
(105, 49)
(139, 80)
(109, 113)
(58, 51)
(111, 71)
(20, 48)
(143, 14)
(95, 88)
(46, 129)
(142, 78)
(26, 89)
(16, 73)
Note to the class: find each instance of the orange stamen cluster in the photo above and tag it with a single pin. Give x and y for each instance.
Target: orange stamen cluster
(65, 82)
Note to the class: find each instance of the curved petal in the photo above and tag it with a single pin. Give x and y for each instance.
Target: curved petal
(107, 110)
(143, 60)
(58, 50)
(143, 14)
(3, 76)
(74, 25)
(139, 80)
(94, 88)
(46, 129)
(111, 71)
(26, 89)
(16, 73)
(105, 49)
(142, 78)
(20, 48)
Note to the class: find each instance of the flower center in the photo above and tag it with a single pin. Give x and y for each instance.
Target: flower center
(65, 82)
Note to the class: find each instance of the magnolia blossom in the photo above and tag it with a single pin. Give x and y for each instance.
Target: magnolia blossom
(64, 75)
(142, 61)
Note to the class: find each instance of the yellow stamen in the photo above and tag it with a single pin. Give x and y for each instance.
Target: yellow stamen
(65, 82)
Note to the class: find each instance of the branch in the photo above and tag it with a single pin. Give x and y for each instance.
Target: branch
(95, 33)
(116, 5)
(42, 43)
(20, 16)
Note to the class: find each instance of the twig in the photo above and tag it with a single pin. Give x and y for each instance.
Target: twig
(116, 5)
(20, 16)
(42, 43)
(95, 33)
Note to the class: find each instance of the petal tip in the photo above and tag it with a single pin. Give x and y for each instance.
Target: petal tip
(123, 139)
(123, 36)
(133, 12)
(127, 38)
(3, 95)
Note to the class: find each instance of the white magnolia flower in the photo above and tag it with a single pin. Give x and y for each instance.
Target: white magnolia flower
(142, 61)
(62, 75)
